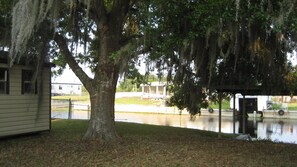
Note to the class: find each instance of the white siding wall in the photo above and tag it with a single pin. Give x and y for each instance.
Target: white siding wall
(19, 112)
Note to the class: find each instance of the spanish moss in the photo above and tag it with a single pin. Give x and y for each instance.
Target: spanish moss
(27, 15)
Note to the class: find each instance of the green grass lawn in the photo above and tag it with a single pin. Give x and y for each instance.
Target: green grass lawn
(292, 106)
(139, 101)
(81, 98)
(124, 100)
(130, 100)
(141, 145)
(225, 104)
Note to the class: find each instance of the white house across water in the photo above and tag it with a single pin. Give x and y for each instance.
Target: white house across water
(66, 88)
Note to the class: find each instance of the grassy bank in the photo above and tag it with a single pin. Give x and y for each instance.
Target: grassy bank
(142, 145)
(124, 100)
(130, 100)
(138, 101)
(292, 106)
(225, 104)
(81, 98)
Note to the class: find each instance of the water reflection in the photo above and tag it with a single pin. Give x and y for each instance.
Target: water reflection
(283, 130)
(278, 130)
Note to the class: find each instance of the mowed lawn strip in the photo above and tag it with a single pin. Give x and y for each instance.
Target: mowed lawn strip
(141, 145)
(122, 100)
(147, 102)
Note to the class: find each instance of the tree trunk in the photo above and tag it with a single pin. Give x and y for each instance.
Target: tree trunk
(101, 124)
(102, 97)
(103, 89)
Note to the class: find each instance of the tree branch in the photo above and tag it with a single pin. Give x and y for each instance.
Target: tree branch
(84, 78)
(129, 47)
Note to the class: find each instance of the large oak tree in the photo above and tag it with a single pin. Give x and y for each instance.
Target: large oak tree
(105, 28)
(196, 41)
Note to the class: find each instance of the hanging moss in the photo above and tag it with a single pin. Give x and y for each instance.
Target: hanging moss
(27, 16)
(237, 4)
(242, 45)
(109, 5)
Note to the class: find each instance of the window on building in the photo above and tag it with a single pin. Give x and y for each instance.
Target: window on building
(60, 87)
(28, 87)
(3, 57)
(4, 82)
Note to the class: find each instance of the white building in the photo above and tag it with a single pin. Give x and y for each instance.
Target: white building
(67, 83)
(156, 90)
(257, 103)
(66, 89)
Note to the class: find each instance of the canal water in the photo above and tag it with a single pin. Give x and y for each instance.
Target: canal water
(279, 130)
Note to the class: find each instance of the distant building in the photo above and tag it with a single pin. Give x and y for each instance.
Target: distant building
(253, 103)
(155, 90)
(66, 88)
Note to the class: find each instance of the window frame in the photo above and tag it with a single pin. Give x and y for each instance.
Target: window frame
(5, 81)
(28, 81)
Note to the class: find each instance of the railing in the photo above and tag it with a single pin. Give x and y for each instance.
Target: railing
(69, 109)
